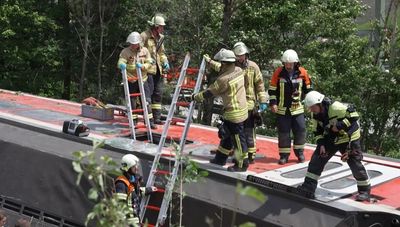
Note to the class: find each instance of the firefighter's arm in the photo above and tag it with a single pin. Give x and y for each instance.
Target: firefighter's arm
(273, 86)
(307, 83)
(214, 65)
(349, 121)
(318, 132)
(259, 86)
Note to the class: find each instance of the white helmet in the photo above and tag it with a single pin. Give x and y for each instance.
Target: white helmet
(134, 38)
(128, 161)
(240, 48)
(290, 56)
(157, 20)
(225, 55)
(312, 98)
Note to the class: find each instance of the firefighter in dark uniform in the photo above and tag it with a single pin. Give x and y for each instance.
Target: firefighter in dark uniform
(335, 128)
(287, 88)
(127, 187)
(153, 40)
(255, 95)
(230, 86)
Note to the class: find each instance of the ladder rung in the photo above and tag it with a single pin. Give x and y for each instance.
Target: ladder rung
(140, 126)
(170, 154)
(185, 104)
(134, 94)
(160, 190)
(149, 225)
(163, 172)
(187, 86)
(153, 208)
(137, 111)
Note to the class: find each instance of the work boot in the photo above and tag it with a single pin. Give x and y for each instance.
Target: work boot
(363, 196)
(306, 191)
(157, 116)
(236, 168)
(283, 159)
(300, 156)
(251, 157)
(219, 159)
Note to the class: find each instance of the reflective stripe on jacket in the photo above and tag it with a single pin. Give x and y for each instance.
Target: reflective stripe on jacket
(282, 88)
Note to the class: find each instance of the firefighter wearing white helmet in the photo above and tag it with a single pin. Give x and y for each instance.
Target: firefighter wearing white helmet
(132, 58)
(230, 86)
(128, 187)
(288, 86)
(153, 40)
(335, 128)
(255, 96)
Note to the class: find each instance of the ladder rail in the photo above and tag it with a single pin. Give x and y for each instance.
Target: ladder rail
(128, 104)
(150, 180)
(144, 103)
(162, 215)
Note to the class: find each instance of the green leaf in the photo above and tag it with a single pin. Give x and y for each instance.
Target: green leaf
(93, 194)
(248, 224)
(77, 167)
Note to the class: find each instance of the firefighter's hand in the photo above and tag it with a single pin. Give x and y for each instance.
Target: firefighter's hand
(122, 66)
(166, 66)
(263, 106)
(345, 156)
(274, 108)
(198, 97)
(207, 58)
(322, 152)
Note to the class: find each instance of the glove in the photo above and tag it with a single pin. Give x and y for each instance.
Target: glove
(198, 97)
(166, 65)
(139, 65)
(345, 156)
(263, 106)
(207, 58)
(122, 66)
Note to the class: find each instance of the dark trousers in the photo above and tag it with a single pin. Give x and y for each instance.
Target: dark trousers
(318, 162)
(295, 124)
(234, 139)
(156, 83)
(250, 132)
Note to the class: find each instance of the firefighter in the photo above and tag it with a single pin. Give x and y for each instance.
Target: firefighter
(287, 88)
(255, 93)
(230, 86)
(127, 186)
(335, 127)
(133, 57)
(153, 40)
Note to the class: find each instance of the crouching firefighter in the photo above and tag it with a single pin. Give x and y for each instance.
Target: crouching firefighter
(335, 128)
(230, 86)
(127, 187)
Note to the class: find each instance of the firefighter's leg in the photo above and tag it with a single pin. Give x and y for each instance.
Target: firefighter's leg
(359, 172)
(134, 88)
(315, 168)
(284, 141)
(148, 101)
(224, 149)
(299, 136)
(240, 147)
(156, 97)
(250, 137)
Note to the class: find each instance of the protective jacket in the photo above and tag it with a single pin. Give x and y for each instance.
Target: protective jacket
(287, 91)
(156, 49)
(253, 82)
(131, 57)
(230, 86)
(344, 117)
(130, 193)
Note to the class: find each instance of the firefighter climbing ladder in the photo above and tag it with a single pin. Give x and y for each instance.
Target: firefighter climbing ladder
(150, 211)
(129, 110)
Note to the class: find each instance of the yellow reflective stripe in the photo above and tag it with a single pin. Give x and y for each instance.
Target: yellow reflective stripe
(346, 122)
(272, 97)
(239, 154)
(224, 151)
(281, 94)
(354, 114)
(134, 116)
(298, 111)
(252, 150)
(121, 196)
(312, 176)
(150, 115)
(272, 88)
(235, 115)
(284, 150)
(156, 106)
(363, 183)
(301, 146)
(345, 138)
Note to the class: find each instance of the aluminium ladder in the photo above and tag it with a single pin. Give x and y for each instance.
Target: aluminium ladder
(156, 214)
(129, 110)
